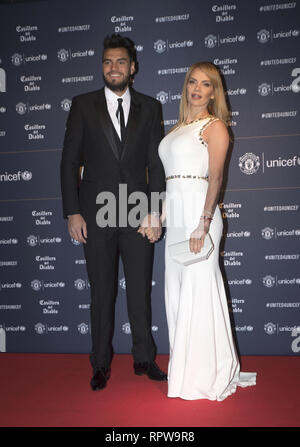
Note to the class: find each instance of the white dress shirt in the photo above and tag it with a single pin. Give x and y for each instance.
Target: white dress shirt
(112, 107)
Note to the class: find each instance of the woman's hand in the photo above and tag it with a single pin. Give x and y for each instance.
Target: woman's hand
(198, 235)
(151, 227)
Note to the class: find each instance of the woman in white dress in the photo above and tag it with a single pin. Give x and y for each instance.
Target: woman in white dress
(203, 361)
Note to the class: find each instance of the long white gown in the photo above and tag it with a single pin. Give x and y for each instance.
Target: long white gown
(203, 362)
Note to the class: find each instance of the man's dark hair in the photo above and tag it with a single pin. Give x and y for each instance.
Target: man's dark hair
(118, 41)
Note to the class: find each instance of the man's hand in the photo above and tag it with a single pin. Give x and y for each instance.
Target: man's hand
(151, 227)
(77, 228)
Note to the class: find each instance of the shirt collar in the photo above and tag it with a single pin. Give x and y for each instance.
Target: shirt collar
(112, 97)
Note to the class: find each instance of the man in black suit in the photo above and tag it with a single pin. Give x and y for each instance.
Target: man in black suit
(117, 144)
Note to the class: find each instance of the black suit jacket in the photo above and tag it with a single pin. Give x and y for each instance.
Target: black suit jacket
(90, 142)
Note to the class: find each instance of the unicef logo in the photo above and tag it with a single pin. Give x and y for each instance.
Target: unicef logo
(264, 89)
(63, 55)
(160, 46)
(126, 328)
(249, 163)
(21, 108)
(269, 281)
(40, 328)
(267, 233)
(263, 36)
(66, 105)
(32, 241)
(210, 41)
(26, 175)
(163, 97)
(79, 284)
(83, 328)
(17, 59)
(270, 328)
(36, 285)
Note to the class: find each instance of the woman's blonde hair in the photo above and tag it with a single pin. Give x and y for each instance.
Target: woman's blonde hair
(217, 106)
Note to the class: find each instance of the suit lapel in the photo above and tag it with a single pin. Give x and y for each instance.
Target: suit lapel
(105, 121)
(132, 123)
(107, 125)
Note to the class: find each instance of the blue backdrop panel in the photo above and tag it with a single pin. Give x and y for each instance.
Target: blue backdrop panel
(50, 52)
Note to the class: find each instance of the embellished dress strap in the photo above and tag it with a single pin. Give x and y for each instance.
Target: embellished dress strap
(211, 120)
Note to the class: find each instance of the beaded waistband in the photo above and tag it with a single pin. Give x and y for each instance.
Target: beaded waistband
(171, 177)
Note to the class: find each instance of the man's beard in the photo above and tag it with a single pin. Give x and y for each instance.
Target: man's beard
(117, 87)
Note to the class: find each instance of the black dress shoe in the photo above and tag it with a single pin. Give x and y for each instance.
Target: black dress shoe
(99, 379)
(151, 370)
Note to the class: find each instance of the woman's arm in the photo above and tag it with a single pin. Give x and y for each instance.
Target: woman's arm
(217, 138)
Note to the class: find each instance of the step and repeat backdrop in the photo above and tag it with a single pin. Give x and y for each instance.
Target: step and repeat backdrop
(51, 51)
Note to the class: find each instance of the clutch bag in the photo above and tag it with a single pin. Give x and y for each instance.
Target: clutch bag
(180, 252)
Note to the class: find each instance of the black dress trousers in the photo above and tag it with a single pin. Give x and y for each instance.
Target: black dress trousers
(102, 255)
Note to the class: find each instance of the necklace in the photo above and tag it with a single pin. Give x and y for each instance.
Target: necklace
(198, 119)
